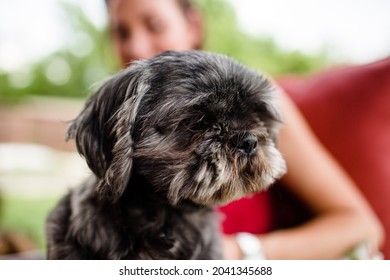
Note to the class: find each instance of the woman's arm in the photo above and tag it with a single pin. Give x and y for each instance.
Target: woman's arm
(343, 219)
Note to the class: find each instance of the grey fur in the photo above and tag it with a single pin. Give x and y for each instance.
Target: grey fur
(167, 139)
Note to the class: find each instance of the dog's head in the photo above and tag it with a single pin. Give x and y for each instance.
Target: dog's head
(196, 125)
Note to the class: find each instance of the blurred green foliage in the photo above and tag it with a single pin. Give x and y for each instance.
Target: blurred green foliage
(224, 36)
(15, 219)
(89, 57)
(70, 72)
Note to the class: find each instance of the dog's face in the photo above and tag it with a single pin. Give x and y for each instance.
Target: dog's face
(197, 126)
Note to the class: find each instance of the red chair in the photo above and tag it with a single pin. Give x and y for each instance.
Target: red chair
(349, 110)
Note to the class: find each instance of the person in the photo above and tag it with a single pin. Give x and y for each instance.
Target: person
(342, 218)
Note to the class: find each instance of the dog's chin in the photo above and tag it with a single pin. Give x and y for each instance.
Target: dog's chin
(226, 181)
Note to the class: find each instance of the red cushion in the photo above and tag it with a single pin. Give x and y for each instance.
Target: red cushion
(349, 110)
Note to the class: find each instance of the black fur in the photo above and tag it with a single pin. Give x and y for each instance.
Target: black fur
(166, 139)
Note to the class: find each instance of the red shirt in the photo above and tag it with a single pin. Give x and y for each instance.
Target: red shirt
(252, 214)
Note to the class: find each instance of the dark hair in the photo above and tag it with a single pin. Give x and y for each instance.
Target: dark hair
(185, 5)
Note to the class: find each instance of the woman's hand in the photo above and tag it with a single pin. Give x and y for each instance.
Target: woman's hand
(230, 248)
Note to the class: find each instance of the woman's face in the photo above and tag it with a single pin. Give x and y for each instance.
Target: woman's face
(144, 28)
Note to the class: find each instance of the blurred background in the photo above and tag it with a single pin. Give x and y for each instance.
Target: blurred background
(54, 53)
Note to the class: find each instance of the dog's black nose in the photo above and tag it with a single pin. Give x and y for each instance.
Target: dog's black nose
(246, 143)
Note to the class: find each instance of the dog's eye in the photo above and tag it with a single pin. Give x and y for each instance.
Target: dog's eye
(163, 130)
(190, 125)
(185, 125)
(167, 128)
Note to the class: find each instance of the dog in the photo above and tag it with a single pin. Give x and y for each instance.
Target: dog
(167, 140)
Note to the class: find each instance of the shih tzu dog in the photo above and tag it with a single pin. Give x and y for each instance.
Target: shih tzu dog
(167, 139)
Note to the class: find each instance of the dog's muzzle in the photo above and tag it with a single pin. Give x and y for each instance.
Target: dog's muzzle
(245, 143)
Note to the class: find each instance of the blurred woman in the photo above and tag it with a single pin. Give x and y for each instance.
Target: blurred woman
(342, 218)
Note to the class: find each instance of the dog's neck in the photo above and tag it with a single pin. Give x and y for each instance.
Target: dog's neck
(140, 192)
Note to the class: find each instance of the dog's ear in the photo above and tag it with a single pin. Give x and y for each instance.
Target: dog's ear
(103, 130)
